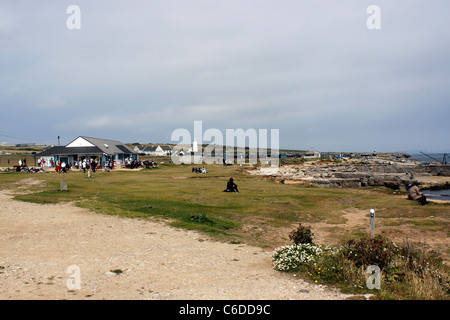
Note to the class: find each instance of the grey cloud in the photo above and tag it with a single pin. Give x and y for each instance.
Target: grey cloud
(310, 68)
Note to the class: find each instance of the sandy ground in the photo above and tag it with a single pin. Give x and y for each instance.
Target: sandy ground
(46, 249)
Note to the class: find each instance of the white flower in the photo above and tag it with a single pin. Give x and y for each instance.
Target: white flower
(290, 257)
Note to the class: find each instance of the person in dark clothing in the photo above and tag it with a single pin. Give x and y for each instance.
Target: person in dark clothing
(231, 186)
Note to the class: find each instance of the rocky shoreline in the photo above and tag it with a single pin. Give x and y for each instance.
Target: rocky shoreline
(361, 173)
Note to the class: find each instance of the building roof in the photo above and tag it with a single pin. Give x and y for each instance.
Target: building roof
(152, 148)
(63, 150)
(89, 146)
(107, 146)
(124, 148)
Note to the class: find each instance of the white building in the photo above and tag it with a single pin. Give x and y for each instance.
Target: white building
(6, 144)
(86, 148)
(312, 154)
(159, 151)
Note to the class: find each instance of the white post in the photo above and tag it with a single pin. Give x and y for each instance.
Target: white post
(372, 222)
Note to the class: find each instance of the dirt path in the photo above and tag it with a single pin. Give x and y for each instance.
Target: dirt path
(151, 260)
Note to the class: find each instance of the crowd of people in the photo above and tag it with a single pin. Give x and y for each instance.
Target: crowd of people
(23, 167)
(92, 164)
(147, 163)
(62, 167)
(199, 170)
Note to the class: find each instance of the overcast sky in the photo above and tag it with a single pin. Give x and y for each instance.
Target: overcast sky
(137, 70)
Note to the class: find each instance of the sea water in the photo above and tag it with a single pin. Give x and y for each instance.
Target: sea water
(437, 194)
(434, 194)
(424, 158)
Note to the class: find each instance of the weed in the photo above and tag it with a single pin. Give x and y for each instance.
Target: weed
(201, 218)
(301, 235)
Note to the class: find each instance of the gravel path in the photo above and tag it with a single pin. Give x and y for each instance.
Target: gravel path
(120, 258)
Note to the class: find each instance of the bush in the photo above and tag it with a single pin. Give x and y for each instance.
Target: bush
(408, 271)
(200, 218)
(327, 268)
(425, 270)
(292, 257)
(301, 235)
(368, 251)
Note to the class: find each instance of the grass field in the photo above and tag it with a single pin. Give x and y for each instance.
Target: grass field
(262, 214)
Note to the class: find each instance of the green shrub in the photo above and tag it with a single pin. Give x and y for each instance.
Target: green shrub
(327, 268)
(200, 218)
(301, 235)
(408, 271)
(368, 251)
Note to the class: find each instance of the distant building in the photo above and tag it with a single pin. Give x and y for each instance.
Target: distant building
(6, 144)
(140, 149)
(165, 150)
(89, 148)
(158, 151)
(312, 154)
(25, 144)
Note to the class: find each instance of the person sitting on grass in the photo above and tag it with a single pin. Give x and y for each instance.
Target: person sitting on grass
(415, 194)
(231, 186)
